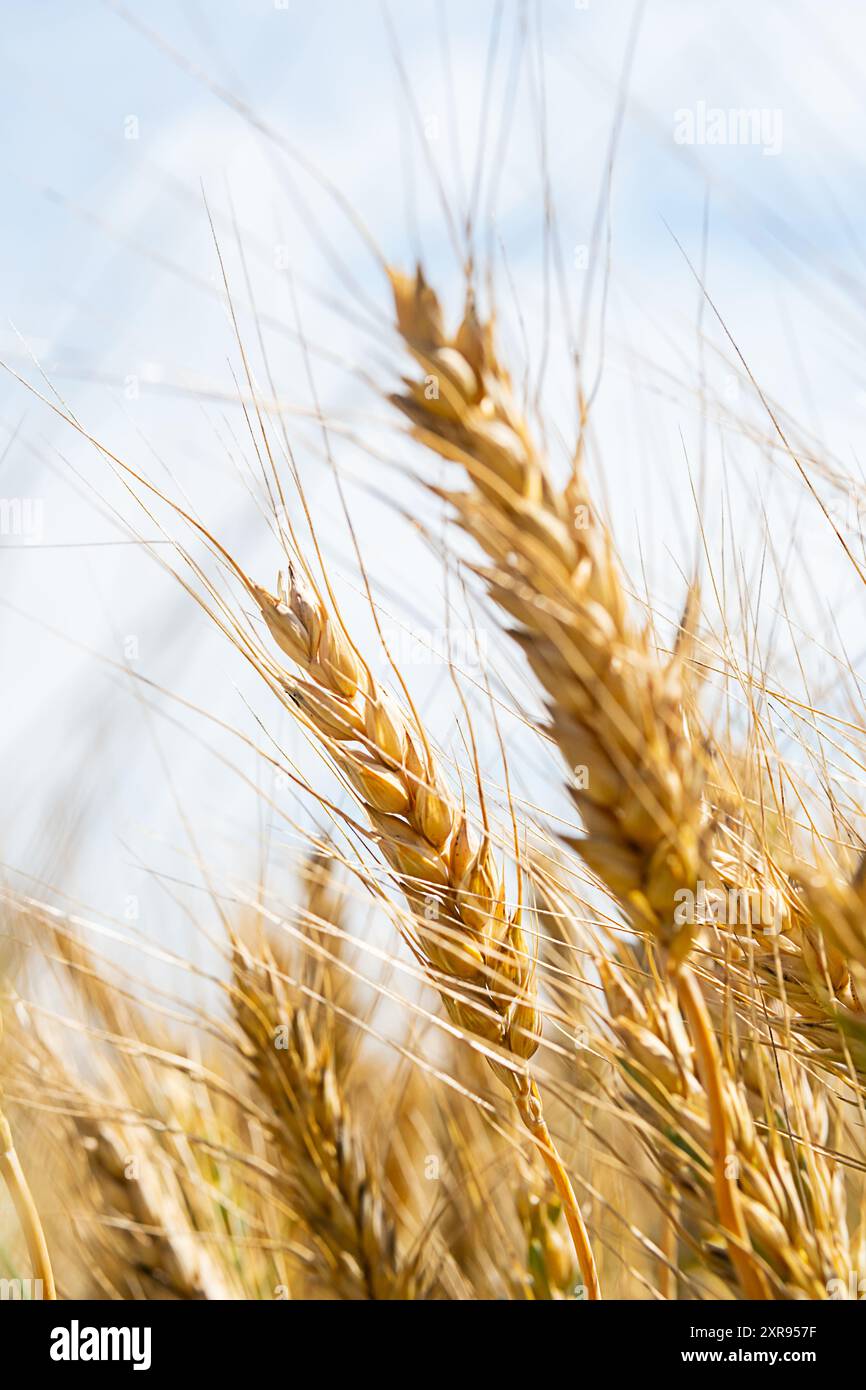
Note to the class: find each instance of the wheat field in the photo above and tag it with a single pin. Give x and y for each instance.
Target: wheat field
(490, 746)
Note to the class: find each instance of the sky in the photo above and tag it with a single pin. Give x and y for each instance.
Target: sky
(704, 167)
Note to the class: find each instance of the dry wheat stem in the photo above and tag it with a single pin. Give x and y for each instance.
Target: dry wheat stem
(570, 1204)
(18, 1188)
(13, 1175)
(728, 1201)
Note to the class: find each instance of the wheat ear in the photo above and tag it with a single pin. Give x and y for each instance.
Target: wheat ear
(145, 1213)
(472, 948)
(615, 711)
(793, 1198)
(291, 1034)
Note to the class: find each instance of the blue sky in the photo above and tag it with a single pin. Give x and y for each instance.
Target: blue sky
(110, 277)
